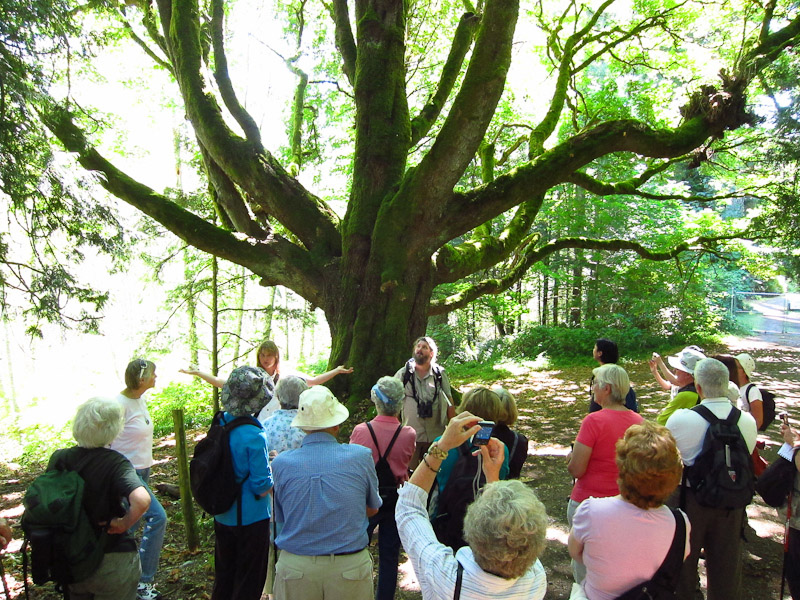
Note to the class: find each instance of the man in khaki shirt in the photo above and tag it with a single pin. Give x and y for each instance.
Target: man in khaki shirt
(428, 403)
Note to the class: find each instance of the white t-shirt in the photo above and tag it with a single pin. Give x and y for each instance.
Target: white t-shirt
(135, 441)
(752, 396)
(689, 428)
(623, 545)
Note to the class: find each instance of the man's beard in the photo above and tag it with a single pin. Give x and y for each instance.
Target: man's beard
(420, 359)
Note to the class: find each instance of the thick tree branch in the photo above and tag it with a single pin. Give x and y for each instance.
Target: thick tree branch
(770, 47)
(222, 76)
(534, 255)
(545, 128)
(467, 210)
(230, 200)
(276, 260)
(345, 42)
(454, 262)
(143, 45)
(462, 42)
(472, 110)
(252, 168)
(630, 188)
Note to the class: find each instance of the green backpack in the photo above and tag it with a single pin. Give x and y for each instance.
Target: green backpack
(65, 546)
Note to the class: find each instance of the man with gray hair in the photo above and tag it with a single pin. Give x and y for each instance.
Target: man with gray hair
(428, 403)
(324, 494)
(717, 529)
(392, 446)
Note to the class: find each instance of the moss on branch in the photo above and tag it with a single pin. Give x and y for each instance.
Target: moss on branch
(274, 258)
(536, 254)
(462, 42)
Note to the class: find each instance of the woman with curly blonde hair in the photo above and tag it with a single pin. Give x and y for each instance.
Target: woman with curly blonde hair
(633, 529)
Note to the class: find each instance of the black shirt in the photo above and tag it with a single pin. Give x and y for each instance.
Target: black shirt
(109, 478)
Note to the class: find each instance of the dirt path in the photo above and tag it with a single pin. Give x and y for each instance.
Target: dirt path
(552, 404)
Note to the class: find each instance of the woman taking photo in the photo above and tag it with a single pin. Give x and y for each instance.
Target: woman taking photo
(592, 460)
(135, 442)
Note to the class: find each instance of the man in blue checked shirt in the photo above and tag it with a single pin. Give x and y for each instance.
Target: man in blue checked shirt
(324, 494)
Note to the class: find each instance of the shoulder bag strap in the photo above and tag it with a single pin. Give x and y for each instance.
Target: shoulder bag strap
(704, 412)
(391, 444)
(374, 439)
(747, 393)
(459, 575)
(669, 571)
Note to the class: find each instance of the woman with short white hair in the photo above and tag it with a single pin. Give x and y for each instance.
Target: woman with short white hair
(592, 460)
(109, 478)
(504, 528)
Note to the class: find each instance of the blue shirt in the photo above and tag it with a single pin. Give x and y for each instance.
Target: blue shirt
(249, 452)
(322, 491)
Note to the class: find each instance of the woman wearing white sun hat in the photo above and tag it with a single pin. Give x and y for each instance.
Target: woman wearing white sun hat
(750, 399)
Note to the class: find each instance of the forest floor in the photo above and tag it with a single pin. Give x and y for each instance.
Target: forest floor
(552, 404)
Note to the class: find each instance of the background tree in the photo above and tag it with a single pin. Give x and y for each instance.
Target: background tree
(418, 200)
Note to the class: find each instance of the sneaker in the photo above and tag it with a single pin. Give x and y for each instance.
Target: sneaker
(147, 591)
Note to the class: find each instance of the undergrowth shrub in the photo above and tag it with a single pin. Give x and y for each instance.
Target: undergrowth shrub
(195, 398)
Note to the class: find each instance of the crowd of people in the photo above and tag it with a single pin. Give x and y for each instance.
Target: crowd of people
(422, 476)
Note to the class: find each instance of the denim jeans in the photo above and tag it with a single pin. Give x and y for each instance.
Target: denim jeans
(155, 524)
(578, 569)
(388, 552)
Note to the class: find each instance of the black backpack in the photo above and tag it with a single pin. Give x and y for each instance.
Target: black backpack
(211, 473)
(465, 480)
(387, 482)
(65, 546)
(722, 474)
(776, 482)
(768, 403)
(664, 582)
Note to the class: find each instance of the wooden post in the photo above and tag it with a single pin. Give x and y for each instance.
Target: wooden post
(187, 506)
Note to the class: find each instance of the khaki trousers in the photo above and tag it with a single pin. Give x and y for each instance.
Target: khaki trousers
(347, 577)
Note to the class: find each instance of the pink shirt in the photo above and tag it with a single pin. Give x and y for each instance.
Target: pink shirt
(384, 428)
(623, 545)
(600, 431)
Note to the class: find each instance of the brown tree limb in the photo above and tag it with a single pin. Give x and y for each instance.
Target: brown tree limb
(534, 255)
(467, 210)
(230, 200)
(473, 108)
(223, 79)
(456, 261)
(462, 42)
(345, 42)
(275, 259)
(147, 50)
(252, 168)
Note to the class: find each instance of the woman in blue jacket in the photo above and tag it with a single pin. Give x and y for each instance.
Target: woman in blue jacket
(241, 549)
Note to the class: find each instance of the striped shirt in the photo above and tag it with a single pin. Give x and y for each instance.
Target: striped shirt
(435, 565)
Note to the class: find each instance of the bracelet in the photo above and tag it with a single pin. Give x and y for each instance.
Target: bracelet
(425, 460)
(437, 452)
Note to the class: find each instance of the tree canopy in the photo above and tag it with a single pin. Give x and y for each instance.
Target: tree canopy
(444, 168)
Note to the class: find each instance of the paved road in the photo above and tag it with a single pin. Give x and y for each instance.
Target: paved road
(776, 319)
